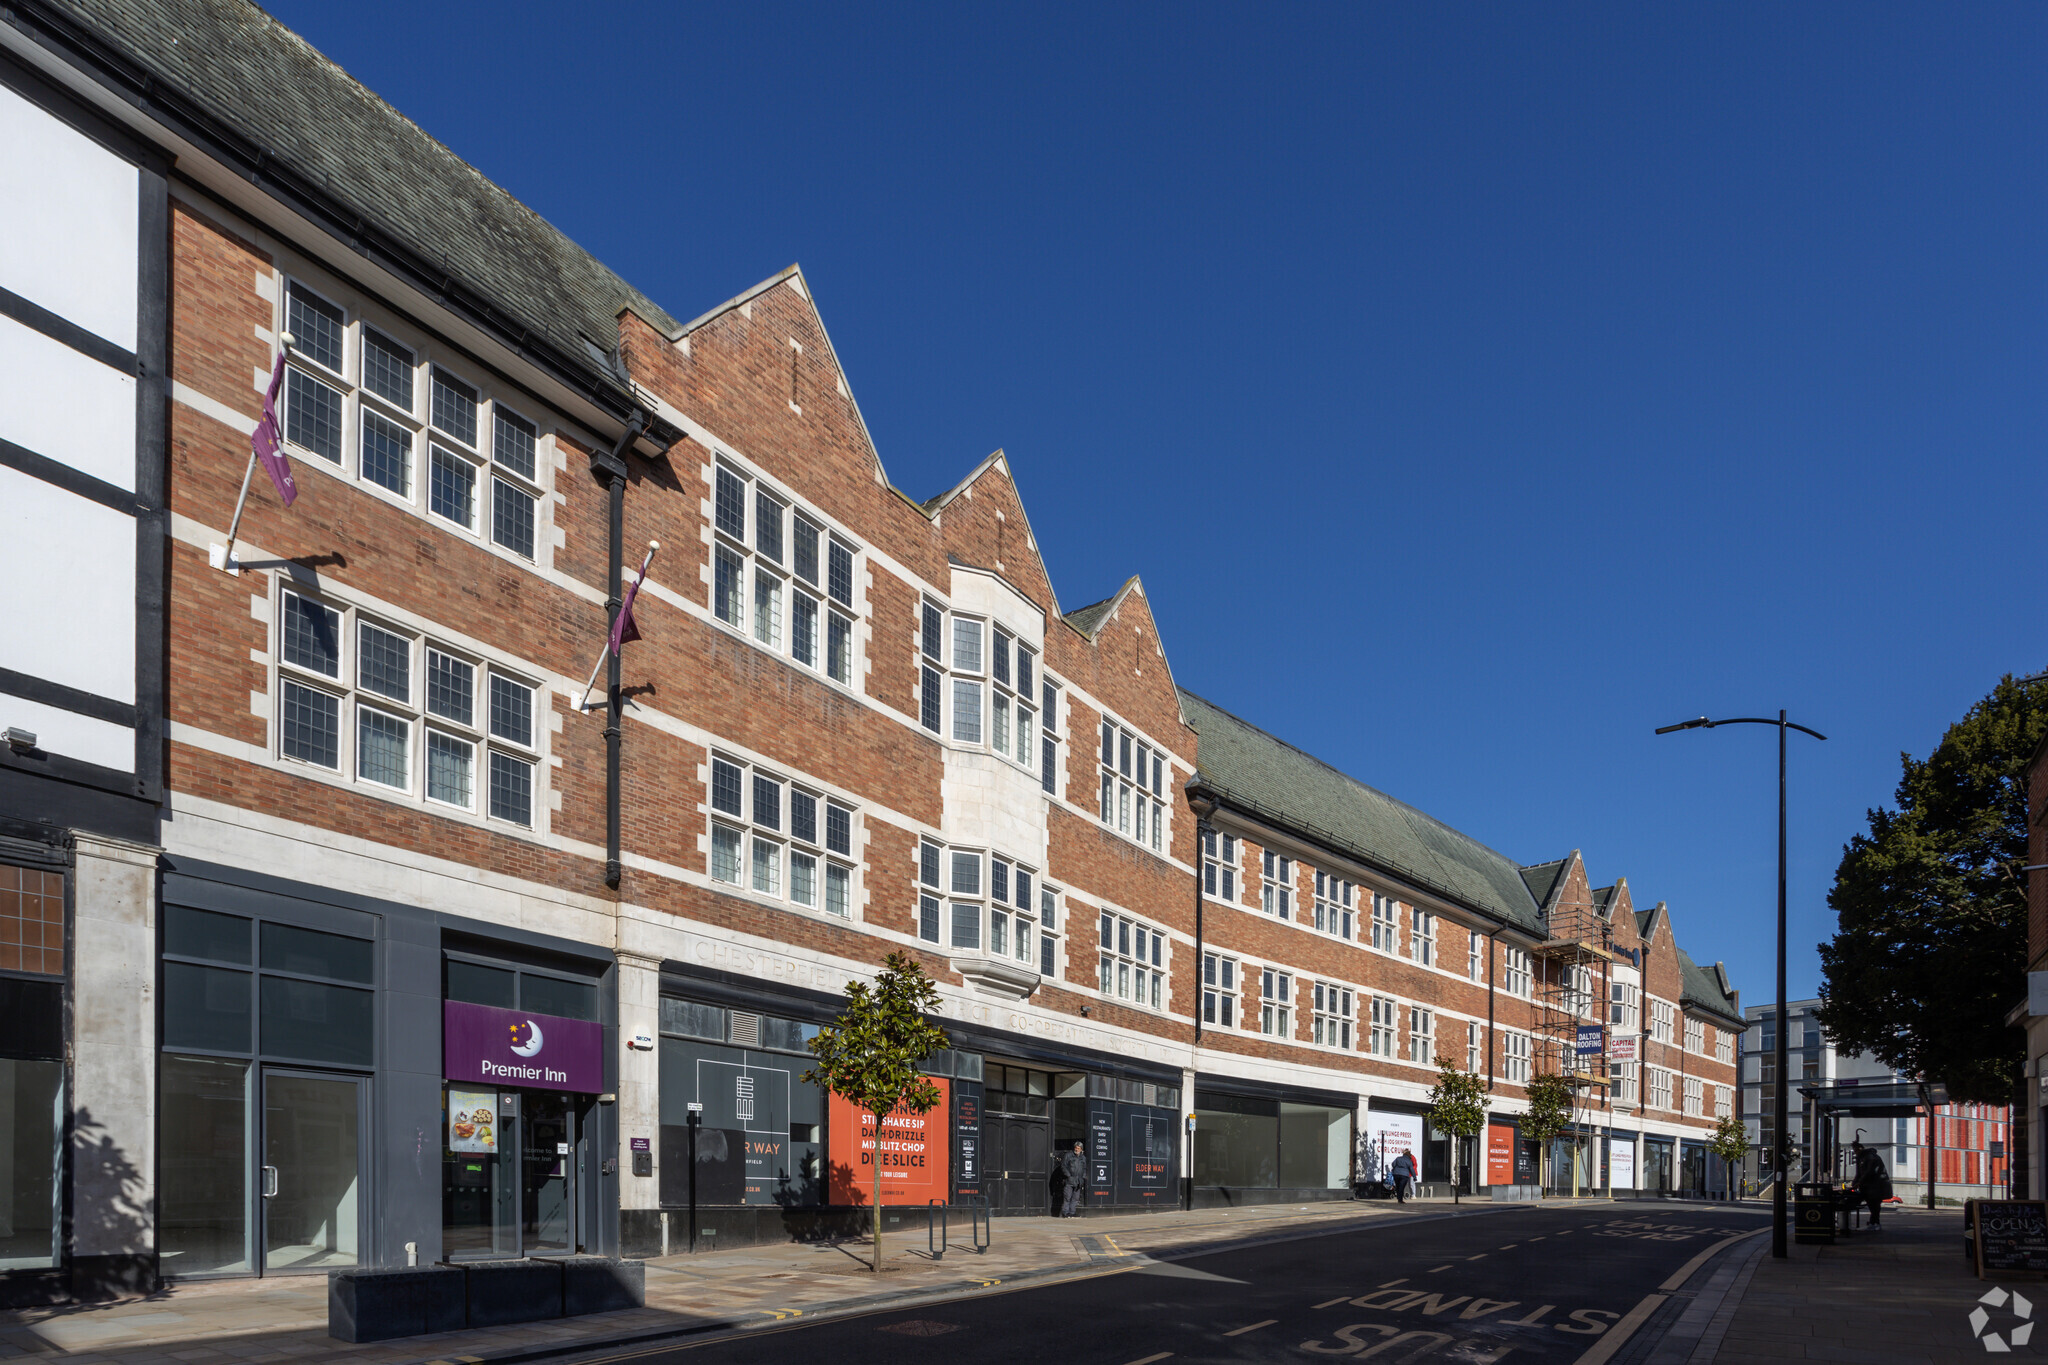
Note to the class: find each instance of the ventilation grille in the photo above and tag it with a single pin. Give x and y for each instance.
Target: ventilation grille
(746, 1029)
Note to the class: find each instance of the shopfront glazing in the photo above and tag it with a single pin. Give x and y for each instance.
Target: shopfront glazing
(522, 1067)
(1269, 1144)
(268, 1040)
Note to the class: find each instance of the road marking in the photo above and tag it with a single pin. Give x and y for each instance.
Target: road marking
(1603, 1349)
(1510, 1246)
(1684, 1272)
(1391, 1283)
(1480, 1256)
(1341, 1298)
(1147, 1360)
(1242, 1330)
(1539, 1237)
(1441, 1267)
(1566, 1233)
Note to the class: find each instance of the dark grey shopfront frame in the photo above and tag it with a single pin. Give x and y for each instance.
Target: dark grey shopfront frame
(401, 1158)
(658, 1231)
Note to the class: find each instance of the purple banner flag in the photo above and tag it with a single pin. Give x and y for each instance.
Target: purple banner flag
(266, 441)
(625, 630)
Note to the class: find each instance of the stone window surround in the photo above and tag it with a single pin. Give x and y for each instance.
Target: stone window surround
(428, 359)
(352, 607)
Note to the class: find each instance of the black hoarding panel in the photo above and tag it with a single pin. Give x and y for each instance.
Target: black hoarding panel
(1146, 1156)
(967, 1149)
(1101, 1151)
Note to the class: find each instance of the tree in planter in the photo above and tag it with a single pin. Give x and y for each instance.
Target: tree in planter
(1549, 1117)
(870, 1057)
(1729, 1141)
(1457, 1109)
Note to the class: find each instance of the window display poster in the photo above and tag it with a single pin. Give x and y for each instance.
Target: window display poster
(912, 1149)
(1621, 1162)
(1387, 1135)
(1500, 1154)
(473, 1120)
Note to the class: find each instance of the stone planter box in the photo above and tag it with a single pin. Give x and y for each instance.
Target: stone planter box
(380, 1305)
(599, 1284)
(505, 1292)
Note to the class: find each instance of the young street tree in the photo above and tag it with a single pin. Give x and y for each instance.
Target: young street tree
(1550, 1115)
(1729, 1141)
(1930, 950)
(872, 1055)
(1457, 1108)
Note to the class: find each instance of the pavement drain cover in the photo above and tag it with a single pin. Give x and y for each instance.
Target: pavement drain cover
(920, 1327)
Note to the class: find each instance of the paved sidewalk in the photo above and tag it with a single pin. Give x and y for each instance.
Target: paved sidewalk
(1902, 1296)
(286, 1318)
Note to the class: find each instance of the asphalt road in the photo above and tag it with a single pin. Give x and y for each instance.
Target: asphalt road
(1528, 1286)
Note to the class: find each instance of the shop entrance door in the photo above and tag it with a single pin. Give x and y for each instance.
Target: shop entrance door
(312, 1171)
(550, 1158)
(513, 1193)
(1019, 1163)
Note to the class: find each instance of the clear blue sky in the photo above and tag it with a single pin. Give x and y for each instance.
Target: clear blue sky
(1475, 388)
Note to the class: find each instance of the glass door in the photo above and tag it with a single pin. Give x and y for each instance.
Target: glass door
(311, 1178)
(549, 1158)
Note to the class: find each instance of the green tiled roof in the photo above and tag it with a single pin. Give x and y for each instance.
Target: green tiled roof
(1252, 771)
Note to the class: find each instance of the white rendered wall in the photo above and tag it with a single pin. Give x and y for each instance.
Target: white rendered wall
(68, 569)
(66, 406)
(70, 734)
(68, 239)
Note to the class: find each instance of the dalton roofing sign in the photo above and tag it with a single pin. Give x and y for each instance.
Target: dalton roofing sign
(496, 1047)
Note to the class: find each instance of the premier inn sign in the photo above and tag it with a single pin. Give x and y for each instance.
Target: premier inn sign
(484, 1045)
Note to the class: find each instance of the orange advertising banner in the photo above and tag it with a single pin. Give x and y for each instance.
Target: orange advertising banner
(1500, 1154)
(912, 1147)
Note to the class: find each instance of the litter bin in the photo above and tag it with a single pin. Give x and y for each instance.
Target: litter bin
(1813, 1213)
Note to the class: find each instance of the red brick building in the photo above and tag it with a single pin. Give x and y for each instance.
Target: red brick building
(474, 969)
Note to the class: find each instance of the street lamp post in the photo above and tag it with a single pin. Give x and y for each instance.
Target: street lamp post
(1778, 1088)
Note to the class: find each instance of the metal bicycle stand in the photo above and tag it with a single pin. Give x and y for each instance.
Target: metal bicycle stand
(935, 1206)
(977, 1218)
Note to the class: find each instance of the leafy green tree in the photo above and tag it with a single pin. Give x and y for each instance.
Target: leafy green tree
(1930, 905)
(1729, 1141)
(1457, 1108)
(872, 1057)
(1550, 1114)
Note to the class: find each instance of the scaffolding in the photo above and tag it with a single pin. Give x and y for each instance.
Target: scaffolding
(1574, 981)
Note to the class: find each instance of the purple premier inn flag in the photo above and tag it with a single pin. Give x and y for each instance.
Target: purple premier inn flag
(623, 629)
(264, 440)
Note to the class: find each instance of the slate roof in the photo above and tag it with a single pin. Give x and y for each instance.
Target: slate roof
(263, 83)
(1703, 989)
(1252, 771)
(1086, 619)
(1542, 879)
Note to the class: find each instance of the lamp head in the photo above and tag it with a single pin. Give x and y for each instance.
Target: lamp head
(1700, 723)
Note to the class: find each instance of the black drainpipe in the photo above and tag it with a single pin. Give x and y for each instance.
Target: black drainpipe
(611, 470)
(1203, 806)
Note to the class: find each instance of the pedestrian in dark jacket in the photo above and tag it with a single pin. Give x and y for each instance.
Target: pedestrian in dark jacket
(1070, 1178)
(1404, 1175)
(1873, 1181)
